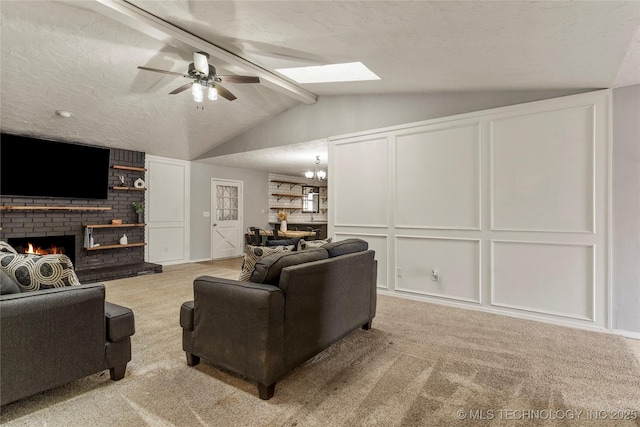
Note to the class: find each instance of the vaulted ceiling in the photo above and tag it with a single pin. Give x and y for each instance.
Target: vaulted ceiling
(82, 56)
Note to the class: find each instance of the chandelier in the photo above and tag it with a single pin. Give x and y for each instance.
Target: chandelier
(318, 174)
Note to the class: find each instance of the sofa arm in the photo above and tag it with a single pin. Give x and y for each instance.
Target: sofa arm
(120, 322)
(239, 326)
(186, 316)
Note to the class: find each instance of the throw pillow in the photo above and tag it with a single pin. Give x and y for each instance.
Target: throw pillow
(267, 269)
(253, 254)
(33, 272)
(5, 247)
(314, 243)
(347, 246)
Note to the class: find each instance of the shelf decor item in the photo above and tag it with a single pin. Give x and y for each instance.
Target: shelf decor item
(283, 216)
(138, 207)
(116, 221)
(138, 183)
(124, 240)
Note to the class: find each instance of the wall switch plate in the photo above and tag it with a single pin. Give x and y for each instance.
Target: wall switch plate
(398, 271)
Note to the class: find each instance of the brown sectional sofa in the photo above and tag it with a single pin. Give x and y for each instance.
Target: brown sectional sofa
(296, 305)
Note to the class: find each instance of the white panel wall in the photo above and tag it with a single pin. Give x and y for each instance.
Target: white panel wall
(377, 243)
(167, 210)
(433, 156)
(361, 169)
(543, 171)
(545, 277)
(511, 206)
(455, 262)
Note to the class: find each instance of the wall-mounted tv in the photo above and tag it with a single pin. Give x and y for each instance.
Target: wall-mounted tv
(34, 167)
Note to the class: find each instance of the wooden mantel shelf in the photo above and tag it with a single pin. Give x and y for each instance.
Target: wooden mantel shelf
(55, 208)
(128, 245)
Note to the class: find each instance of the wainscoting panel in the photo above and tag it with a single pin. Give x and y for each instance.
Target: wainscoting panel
(166, 244)
(550, 278)
(438, 177)
(360, 165)
(511, 206)
(543, 171)
(456, 261)
(168, 211)
(378, 243)
(167, 205)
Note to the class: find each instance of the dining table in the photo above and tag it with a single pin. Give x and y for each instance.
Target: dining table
(289, 233)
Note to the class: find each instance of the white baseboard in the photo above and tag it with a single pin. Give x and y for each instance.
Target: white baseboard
(627, 334)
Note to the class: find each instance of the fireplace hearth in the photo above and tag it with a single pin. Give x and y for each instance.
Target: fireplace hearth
(44, 245)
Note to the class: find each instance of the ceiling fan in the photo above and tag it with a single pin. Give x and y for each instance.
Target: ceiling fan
(204, 77)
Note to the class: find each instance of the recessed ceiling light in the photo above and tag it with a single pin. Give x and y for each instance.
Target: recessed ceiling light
(348, 72)
(64, 113)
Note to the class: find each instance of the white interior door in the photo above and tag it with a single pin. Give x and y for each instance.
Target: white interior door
(226, 222)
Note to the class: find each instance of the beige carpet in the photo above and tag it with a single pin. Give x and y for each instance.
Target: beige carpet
(420, 365)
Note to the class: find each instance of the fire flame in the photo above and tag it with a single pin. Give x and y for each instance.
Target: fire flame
(39, 251)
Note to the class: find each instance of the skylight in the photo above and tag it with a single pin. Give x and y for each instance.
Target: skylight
(348, 72)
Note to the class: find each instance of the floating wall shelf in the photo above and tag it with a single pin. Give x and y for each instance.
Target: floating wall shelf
(54, 208)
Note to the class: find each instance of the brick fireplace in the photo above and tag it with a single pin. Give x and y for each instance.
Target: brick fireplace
(66, 220)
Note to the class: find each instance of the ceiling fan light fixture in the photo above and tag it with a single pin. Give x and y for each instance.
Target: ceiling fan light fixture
(213, 93)
(201, 62)
(197, 92)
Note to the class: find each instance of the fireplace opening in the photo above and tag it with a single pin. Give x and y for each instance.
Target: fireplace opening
(44, 245)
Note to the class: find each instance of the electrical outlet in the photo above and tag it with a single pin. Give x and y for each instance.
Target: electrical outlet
(398, 271)
(435, 275)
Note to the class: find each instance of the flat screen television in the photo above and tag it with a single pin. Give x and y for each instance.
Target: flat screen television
(32, 167)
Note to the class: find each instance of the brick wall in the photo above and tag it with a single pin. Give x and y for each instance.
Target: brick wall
(49, 223)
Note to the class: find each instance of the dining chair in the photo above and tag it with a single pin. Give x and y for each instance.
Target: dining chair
(256, 238)
(311, 230)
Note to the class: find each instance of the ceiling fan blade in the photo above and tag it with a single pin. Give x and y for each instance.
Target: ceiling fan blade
(239, 79)
(224, 92)
(201, 63)
(173, 73)
(181, 88)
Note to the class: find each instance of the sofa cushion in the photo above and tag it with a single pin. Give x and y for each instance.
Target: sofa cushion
(33, 272)
(253, 254)
(306, 244)
(347, 246)
(284, 242)
(8, 285)
(267, 269)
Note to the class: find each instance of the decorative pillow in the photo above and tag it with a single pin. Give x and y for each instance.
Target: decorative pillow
(5, 247)
(33, 272)
(253, 254)
(347, 246)
(306, 244)
(267, 269)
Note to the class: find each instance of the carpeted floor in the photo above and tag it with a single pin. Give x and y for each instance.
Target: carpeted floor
(421, 365)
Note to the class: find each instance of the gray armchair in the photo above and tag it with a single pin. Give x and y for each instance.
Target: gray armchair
(54, 336)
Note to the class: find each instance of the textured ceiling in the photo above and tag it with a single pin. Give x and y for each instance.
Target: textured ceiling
(82, 57)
